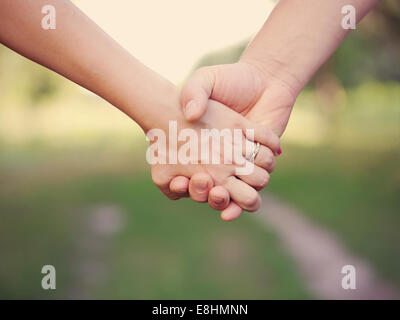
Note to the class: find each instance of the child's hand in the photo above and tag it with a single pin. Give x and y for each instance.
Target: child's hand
(240, 185)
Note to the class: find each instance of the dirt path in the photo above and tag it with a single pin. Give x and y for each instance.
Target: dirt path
(320, 255)
(99, 224)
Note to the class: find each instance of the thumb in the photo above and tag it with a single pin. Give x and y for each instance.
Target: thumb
(196, 92)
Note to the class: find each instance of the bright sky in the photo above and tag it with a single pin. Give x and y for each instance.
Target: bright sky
(171, 36)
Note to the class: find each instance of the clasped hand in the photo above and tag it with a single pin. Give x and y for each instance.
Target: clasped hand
(246, 94)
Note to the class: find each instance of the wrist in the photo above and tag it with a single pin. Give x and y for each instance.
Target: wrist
(277, 97)
(274, 73)
(140, 93)
(159, 108)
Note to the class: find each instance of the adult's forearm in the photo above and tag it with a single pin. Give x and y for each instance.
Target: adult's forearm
(299, 36)
(79, 50)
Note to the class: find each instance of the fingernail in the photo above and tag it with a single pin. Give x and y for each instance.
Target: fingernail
(279, 151)
(201, 186)
(190, 109)
(182, 187)
(218, 200)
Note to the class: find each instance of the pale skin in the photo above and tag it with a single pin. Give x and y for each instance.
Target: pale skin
(80, 51)
(297, 38)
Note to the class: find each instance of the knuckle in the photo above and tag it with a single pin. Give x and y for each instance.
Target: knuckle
(263, 180)
(272, 139)
(251, 201)
(272, 165)
(269, 162)
(158, 178)
(265, 133)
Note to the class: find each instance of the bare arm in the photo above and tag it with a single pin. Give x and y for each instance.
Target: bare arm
(80, 51)
(299, 36)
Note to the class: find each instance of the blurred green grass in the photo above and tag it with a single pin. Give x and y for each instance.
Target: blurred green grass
(64, 153)
(341, 169)
(354, 193)
(166, 249)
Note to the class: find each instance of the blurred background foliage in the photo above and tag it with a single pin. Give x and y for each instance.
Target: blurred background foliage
(75, 189)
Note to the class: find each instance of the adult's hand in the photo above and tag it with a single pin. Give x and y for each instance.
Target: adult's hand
(291, 46)
(243, 86)
(247, 89)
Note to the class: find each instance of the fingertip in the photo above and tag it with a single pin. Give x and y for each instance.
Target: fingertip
(232, 212)
(196, 92)
(218, 198)
(267, 137)
(253, 203)
(199, 186)
(193, 111)
(179, 185)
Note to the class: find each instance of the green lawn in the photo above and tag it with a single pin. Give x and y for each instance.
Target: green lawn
(354, 193)
(165, 249)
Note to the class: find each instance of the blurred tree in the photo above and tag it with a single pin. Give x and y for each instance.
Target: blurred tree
(371, 51)
(42, 85)
(26, 82)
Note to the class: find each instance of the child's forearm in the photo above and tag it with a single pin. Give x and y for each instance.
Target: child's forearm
(299, 36)
(79, 50)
